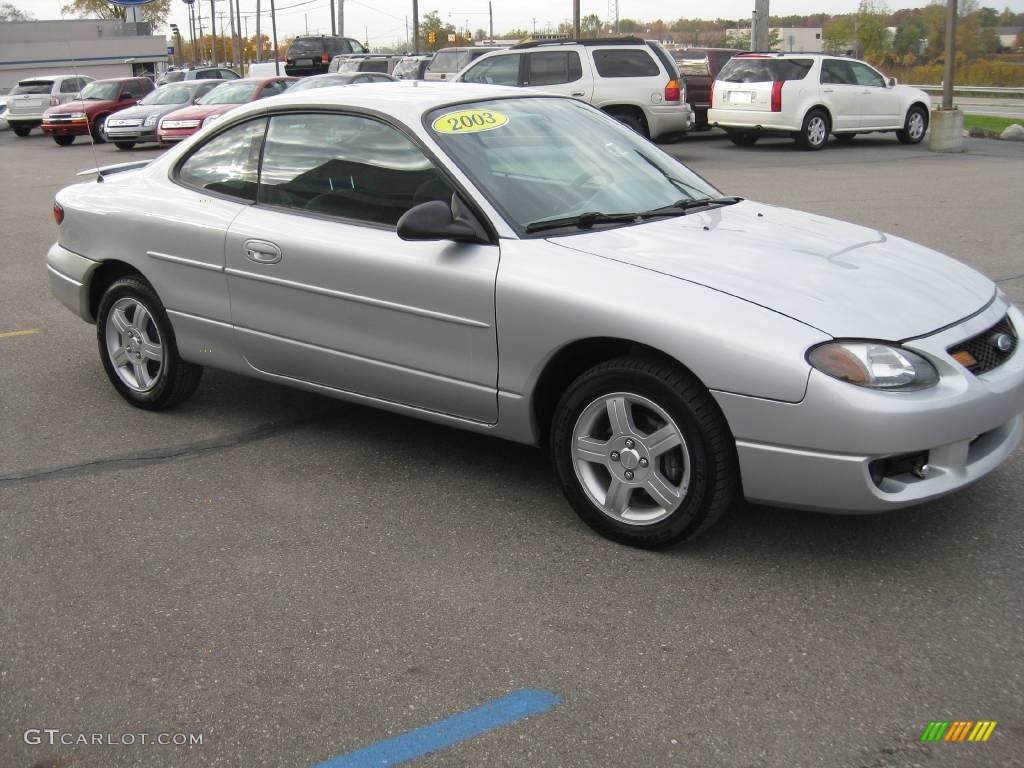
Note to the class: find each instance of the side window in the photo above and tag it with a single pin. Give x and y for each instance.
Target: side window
(274, 88)
(357, 169)
(866, 75)
(227, 74)
(620, 62)
(554, 68)
(837, 72)
(500, 70)
(229, 163)
(70, 86)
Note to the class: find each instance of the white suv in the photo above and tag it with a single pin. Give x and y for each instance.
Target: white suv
(809, 96)
(33, 96)
(632, 80)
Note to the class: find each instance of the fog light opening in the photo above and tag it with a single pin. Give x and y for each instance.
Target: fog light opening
(906, 467)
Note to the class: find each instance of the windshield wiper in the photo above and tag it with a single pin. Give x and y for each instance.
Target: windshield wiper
(582, 221)
(682, 207)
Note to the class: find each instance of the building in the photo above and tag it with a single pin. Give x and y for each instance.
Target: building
(1008, 36)
(798, 39)
(99, 48)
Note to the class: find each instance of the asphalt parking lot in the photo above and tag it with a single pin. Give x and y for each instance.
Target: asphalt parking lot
(295, 578)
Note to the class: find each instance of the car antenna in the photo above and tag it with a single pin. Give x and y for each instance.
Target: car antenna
(92, 143)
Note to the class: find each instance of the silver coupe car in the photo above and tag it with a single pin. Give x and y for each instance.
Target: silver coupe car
(520, 264)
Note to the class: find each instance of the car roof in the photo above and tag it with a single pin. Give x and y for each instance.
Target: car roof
(48, 77)
(407, 100)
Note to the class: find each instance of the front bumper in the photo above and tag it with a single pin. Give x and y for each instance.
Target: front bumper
(665, 119)
(66, 128)
(137, 134)
(174, 135)
(817, 454)
(69, 276)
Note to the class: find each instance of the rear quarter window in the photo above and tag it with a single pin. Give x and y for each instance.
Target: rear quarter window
(750, 70)
(621, 62)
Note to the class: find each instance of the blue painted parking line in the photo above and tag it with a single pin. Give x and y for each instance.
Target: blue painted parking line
(444, 733)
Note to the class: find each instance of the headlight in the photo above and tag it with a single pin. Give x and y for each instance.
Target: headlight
(211, 119)
(77, 115)
(873, 364)
(151, 121)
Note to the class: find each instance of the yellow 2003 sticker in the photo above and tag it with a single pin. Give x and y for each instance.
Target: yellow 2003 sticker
(470, 121)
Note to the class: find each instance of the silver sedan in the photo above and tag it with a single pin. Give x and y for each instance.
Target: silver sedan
(521, 265)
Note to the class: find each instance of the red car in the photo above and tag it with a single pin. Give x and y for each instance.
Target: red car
(182, 123)
(98, 100)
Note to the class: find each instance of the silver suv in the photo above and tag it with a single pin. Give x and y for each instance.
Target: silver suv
(633, 80)
(33, 96)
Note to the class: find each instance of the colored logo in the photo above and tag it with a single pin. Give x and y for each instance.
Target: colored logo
(958, 730)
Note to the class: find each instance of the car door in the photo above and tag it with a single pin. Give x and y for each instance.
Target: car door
(841, 94)
(558, 72)
(324, 291)
(881, 104)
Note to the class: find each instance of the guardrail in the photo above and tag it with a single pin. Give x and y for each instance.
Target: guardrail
(982, 90)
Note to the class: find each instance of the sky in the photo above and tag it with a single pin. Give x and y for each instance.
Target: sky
(384, 21)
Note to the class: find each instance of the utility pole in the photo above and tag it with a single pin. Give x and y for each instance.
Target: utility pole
(341, 17)
(259, 35)
(946, 130)
(759, 34)
(234, 37)
(241, 42)
(273, 26)
(947, 81)
(490, 13)
(576, 19)
(415, 27)
(213, 34)
(334, 19)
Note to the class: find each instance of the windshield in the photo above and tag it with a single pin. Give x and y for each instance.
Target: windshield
(170, 94)
(173, 77)
(230, 93)
(538, 159)
(322, 81)
(101, 91)
(449, 61)
(35, 86)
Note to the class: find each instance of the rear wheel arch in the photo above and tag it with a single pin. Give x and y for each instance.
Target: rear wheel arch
(105, 275)
(629, 114)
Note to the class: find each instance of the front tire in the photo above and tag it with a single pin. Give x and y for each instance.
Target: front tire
(914, 127)
(64, 141)
(124, 145)
(815, 130)
(642, 453)
(99, 136)
(138, 348)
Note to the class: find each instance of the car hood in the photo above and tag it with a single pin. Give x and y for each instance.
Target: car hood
(843, 279)
(201, 111)
(88, 107)
(145, 110)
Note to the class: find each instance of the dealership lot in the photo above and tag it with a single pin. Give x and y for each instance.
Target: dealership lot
(296, 578)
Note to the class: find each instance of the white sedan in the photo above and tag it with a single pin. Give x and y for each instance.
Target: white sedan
(809, 96)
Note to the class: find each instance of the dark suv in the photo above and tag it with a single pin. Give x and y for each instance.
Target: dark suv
(700, 66)
(312, 54)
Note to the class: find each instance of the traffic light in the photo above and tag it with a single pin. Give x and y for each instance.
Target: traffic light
(431, 38)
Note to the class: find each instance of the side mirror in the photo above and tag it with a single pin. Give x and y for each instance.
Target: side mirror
(437, 220)
(893, 82)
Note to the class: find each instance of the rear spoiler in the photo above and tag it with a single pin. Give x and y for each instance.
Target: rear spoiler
(107, 170)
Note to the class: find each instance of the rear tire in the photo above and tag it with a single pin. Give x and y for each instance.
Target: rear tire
(632, 122)
(663, 471)
(21, 130)
(914, 127)
(743, 138)
(98, 135)
(64, 141)
(138, 348)
(125, 145)
(815, 130)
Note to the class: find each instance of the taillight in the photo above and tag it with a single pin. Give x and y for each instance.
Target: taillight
(672, 90)
(58, 213)
(777, 96)
(711, 95)
(54, 101)
(325, 58)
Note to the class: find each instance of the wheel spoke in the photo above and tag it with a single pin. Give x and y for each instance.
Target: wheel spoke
(151, 351)
(663, 493)
(589, 449)
(120, 320)
(620, 415)
(142, 376)
(119, 357)
(141, 318)
(617, 498)
(665, 439)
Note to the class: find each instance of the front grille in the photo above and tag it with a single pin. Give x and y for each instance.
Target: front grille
(984, 348)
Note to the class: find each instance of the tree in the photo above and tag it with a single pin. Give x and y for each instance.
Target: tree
(628, 26)
(988, 17)
(11, 12)
(873, 29)
(155, 13)
(908, 37)
(432, 23)
(839, 35)
(590, 25)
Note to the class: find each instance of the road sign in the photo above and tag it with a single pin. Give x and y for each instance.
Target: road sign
(130, 3)
(451, 38)
(170, 50)
(188, 2)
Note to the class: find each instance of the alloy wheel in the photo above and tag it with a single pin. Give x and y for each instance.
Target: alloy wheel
(134, 345)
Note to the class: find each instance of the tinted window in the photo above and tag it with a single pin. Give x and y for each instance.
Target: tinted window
(501, 70)
(101, 91)
(229, 163)
(865, 75)
(32, 86)
(208, 74)
(227, 74)
(135, 89)
(358, 169)
(306, 48)
(835, 72)
(554, 68)
(754, 70)
(620, 62)
(70, 86)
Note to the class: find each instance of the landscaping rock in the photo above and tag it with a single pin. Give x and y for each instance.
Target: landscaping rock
(1013, 132)
(978, 133)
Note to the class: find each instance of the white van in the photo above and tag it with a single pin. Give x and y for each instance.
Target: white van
(265, 69)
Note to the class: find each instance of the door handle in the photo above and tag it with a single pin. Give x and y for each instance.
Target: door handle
(262, 252)
(829, 90)
(578, 93)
